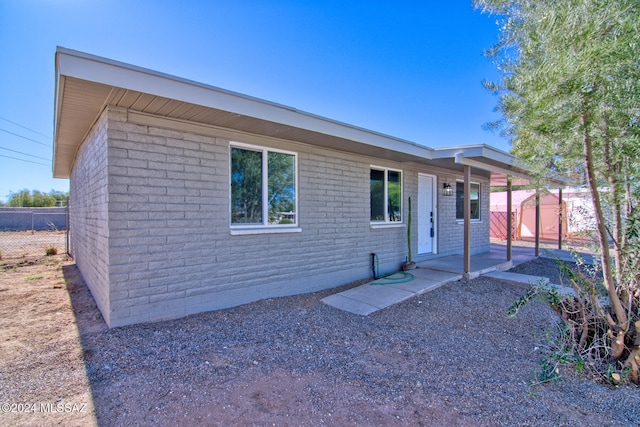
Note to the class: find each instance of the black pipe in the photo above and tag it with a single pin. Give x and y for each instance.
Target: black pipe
(373, 266)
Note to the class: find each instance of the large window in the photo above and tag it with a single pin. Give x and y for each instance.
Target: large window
(386, 195)
(475, 201)
(263, 187)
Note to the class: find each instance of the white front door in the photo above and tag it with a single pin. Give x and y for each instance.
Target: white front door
(426, 214)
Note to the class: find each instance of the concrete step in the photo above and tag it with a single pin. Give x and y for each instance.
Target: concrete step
(526, 281)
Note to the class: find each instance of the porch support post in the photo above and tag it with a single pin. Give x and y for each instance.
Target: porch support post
(560, 218)
(467, 219)
(509, 222)
(537, 222)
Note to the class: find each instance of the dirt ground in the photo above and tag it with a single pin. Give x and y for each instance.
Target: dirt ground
(20, 244)
(286, 361)
(40, 345)
(45, 310)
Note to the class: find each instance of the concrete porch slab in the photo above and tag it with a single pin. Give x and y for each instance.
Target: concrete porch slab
(480, 264)
(429, 275)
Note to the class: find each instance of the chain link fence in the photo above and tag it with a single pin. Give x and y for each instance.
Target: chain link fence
(33, 232)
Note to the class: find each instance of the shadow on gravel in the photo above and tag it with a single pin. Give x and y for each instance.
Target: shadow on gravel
(88, 321)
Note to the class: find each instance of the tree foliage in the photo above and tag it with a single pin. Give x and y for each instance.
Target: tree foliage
(570, 98)
(36, 199)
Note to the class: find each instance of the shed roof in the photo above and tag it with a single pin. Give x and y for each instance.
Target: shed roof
(498, 201)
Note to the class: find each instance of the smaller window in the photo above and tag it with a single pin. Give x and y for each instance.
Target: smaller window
(386, 195)
(475, 201)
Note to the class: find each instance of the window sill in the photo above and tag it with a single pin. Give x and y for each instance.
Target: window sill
(375, 225)
(264, 230)
(473, 221)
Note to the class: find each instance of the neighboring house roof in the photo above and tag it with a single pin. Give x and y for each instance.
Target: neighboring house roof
(87, 84)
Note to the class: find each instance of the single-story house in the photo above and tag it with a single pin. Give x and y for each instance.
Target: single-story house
(186, 198)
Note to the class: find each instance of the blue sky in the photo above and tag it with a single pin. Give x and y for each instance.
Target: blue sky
(410, 69)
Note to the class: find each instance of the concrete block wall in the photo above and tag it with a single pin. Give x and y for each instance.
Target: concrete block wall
(21, 219)
(451, 230)
(170, 248)
(88, 214)
(166, 204)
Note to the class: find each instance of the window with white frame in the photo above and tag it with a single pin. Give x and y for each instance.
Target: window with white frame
(263, 186)
(474, 197)
(386, 195)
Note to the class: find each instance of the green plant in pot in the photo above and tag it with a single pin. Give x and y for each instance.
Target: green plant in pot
(409, 265)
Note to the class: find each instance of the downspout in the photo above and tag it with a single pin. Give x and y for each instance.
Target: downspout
(373, 266)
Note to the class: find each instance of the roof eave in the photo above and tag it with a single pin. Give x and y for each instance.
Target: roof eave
(80, 65)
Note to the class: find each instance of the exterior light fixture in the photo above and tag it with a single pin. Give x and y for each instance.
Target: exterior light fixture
(447, 190)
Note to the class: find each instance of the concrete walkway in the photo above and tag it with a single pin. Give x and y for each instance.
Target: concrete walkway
(369, 298)
(431, 274)
(527, 281)
(565, 255)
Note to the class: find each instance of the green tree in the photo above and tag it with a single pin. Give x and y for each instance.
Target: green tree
(570, 98)
(36, 199)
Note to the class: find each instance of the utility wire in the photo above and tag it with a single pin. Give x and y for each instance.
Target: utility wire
(24, 127)
(24, 137)
(24, 154)
(22, 160)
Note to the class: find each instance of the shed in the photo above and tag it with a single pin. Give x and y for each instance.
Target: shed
(523, 215)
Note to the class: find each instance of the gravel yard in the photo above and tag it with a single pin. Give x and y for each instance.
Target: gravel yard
(449, 357)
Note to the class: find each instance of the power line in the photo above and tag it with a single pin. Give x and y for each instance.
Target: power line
(24, 127)
(24, 137)
(24, 154)
(22, 160)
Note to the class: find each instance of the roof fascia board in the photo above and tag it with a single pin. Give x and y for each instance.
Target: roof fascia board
(481, 150)
(113, 73)
(461, 159)
(487, 152)
(58, 90)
